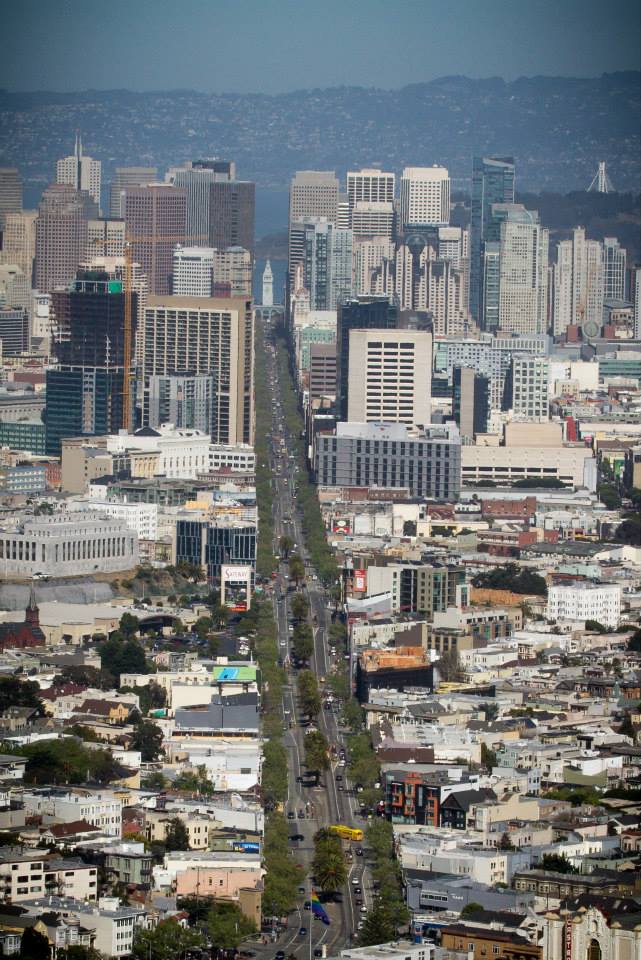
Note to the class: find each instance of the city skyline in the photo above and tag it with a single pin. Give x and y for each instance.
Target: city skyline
(160, 51)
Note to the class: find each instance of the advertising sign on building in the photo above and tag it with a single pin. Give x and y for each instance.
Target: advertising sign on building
(235, 587)
(360, 581)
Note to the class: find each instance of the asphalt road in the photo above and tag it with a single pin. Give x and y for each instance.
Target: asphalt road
(326, 803)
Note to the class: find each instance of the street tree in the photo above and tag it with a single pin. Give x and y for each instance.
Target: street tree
(167, 941)
(296, 568)
(147, 738)
(316, 751)
(285, 545)
(177, 836)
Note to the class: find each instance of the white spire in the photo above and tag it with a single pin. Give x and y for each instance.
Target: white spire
(268, 285)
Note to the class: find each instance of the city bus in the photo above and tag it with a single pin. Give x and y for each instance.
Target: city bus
(347, 833)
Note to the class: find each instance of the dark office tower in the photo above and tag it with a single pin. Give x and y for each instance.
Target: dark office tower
(366, 313)
(10, 192)
(89, 321)
(156, 220)
(82, 402)
(492, 182)
(231, 214)
(128, 177)
(470, 401)
(14, 331)
(61, 235)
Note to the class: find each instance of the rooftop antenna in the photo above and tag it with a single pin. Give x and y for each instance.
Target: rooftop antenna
(601, 182)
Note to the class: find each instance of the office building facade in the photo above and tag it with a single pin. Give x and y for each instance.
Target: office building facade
(105, 238)
(19, 240)
(89, 322)
(470, 402)
(389, 455)
(425, 197)
(193, 272)
(185, 400)
(83, 402)
(492, 182)
(529, 379)
(232, 214)
(155, 218)
(578, 285)
(390, 376)
(123, 178)
(614, 263)
(312, 194)
(81, 172)
(213, 337)
(14, 331)
(10, 192)
(213, 545)
(370, 185)
(61, 235)
(366, 313)
(515, 284)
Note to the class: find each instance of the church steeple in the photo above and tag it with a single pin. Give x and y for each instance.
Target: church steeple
(32, 613)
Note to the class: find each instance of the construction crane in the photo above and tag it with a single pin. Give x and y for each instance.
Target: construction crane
(128, 256)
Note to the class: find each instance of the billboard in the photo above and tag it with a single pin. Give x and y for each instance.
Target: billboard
(360, 581)
(340, 526)
(235, 587)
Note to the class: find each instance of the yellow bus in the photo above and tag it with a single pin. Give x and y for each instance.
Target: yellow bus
(347, 833)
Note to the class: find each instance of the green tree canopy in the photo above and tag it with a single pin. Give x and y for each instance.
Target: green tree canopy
(167, 941)
(34, 945)
(557, 863)
(18, 693)
(147, 738)
(129, 625)
(177, 836)
(227, 925)
(316, 751)
(512, 577)
(118, 656)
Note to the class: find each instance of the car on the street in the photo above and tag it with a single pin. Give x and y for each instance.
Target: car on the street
(299, 779)
(360, 924)
(307, 905)
(355, 881)
(296, 836)
(339, 777)
(280, 955)
(318, 952)
(291, 815)
(302, 932)
(340, 787)
(359, 851)
(363, 908)
(358, 889)
(301, 814)
(358, 901)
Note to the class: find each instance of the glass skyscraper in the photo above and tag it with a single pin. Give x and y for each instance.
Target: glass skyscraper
(492, 182)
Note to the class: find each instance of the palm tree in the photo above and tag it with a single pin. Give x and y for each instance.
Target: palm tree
(329, 869)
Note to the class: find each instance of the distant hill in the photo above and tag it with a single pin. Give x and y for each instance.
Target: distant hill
(557, 128)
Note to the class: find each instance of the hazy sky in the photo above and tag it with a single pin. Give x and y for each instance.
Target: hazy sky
(273, 46)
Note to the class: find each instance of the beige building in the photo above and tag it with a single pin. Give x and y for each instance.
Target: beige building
(19, 240)
(206, 335)
(199, 828)
(390, 376)
(83, 461)
(573, 464)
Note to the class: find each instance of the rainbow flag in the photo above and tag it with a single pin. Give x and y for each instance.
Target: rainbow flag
(317, 908)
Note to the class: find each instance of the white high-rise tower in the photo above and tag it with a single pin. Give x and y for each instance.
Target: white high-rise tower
(80, 171)
(268, 286)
